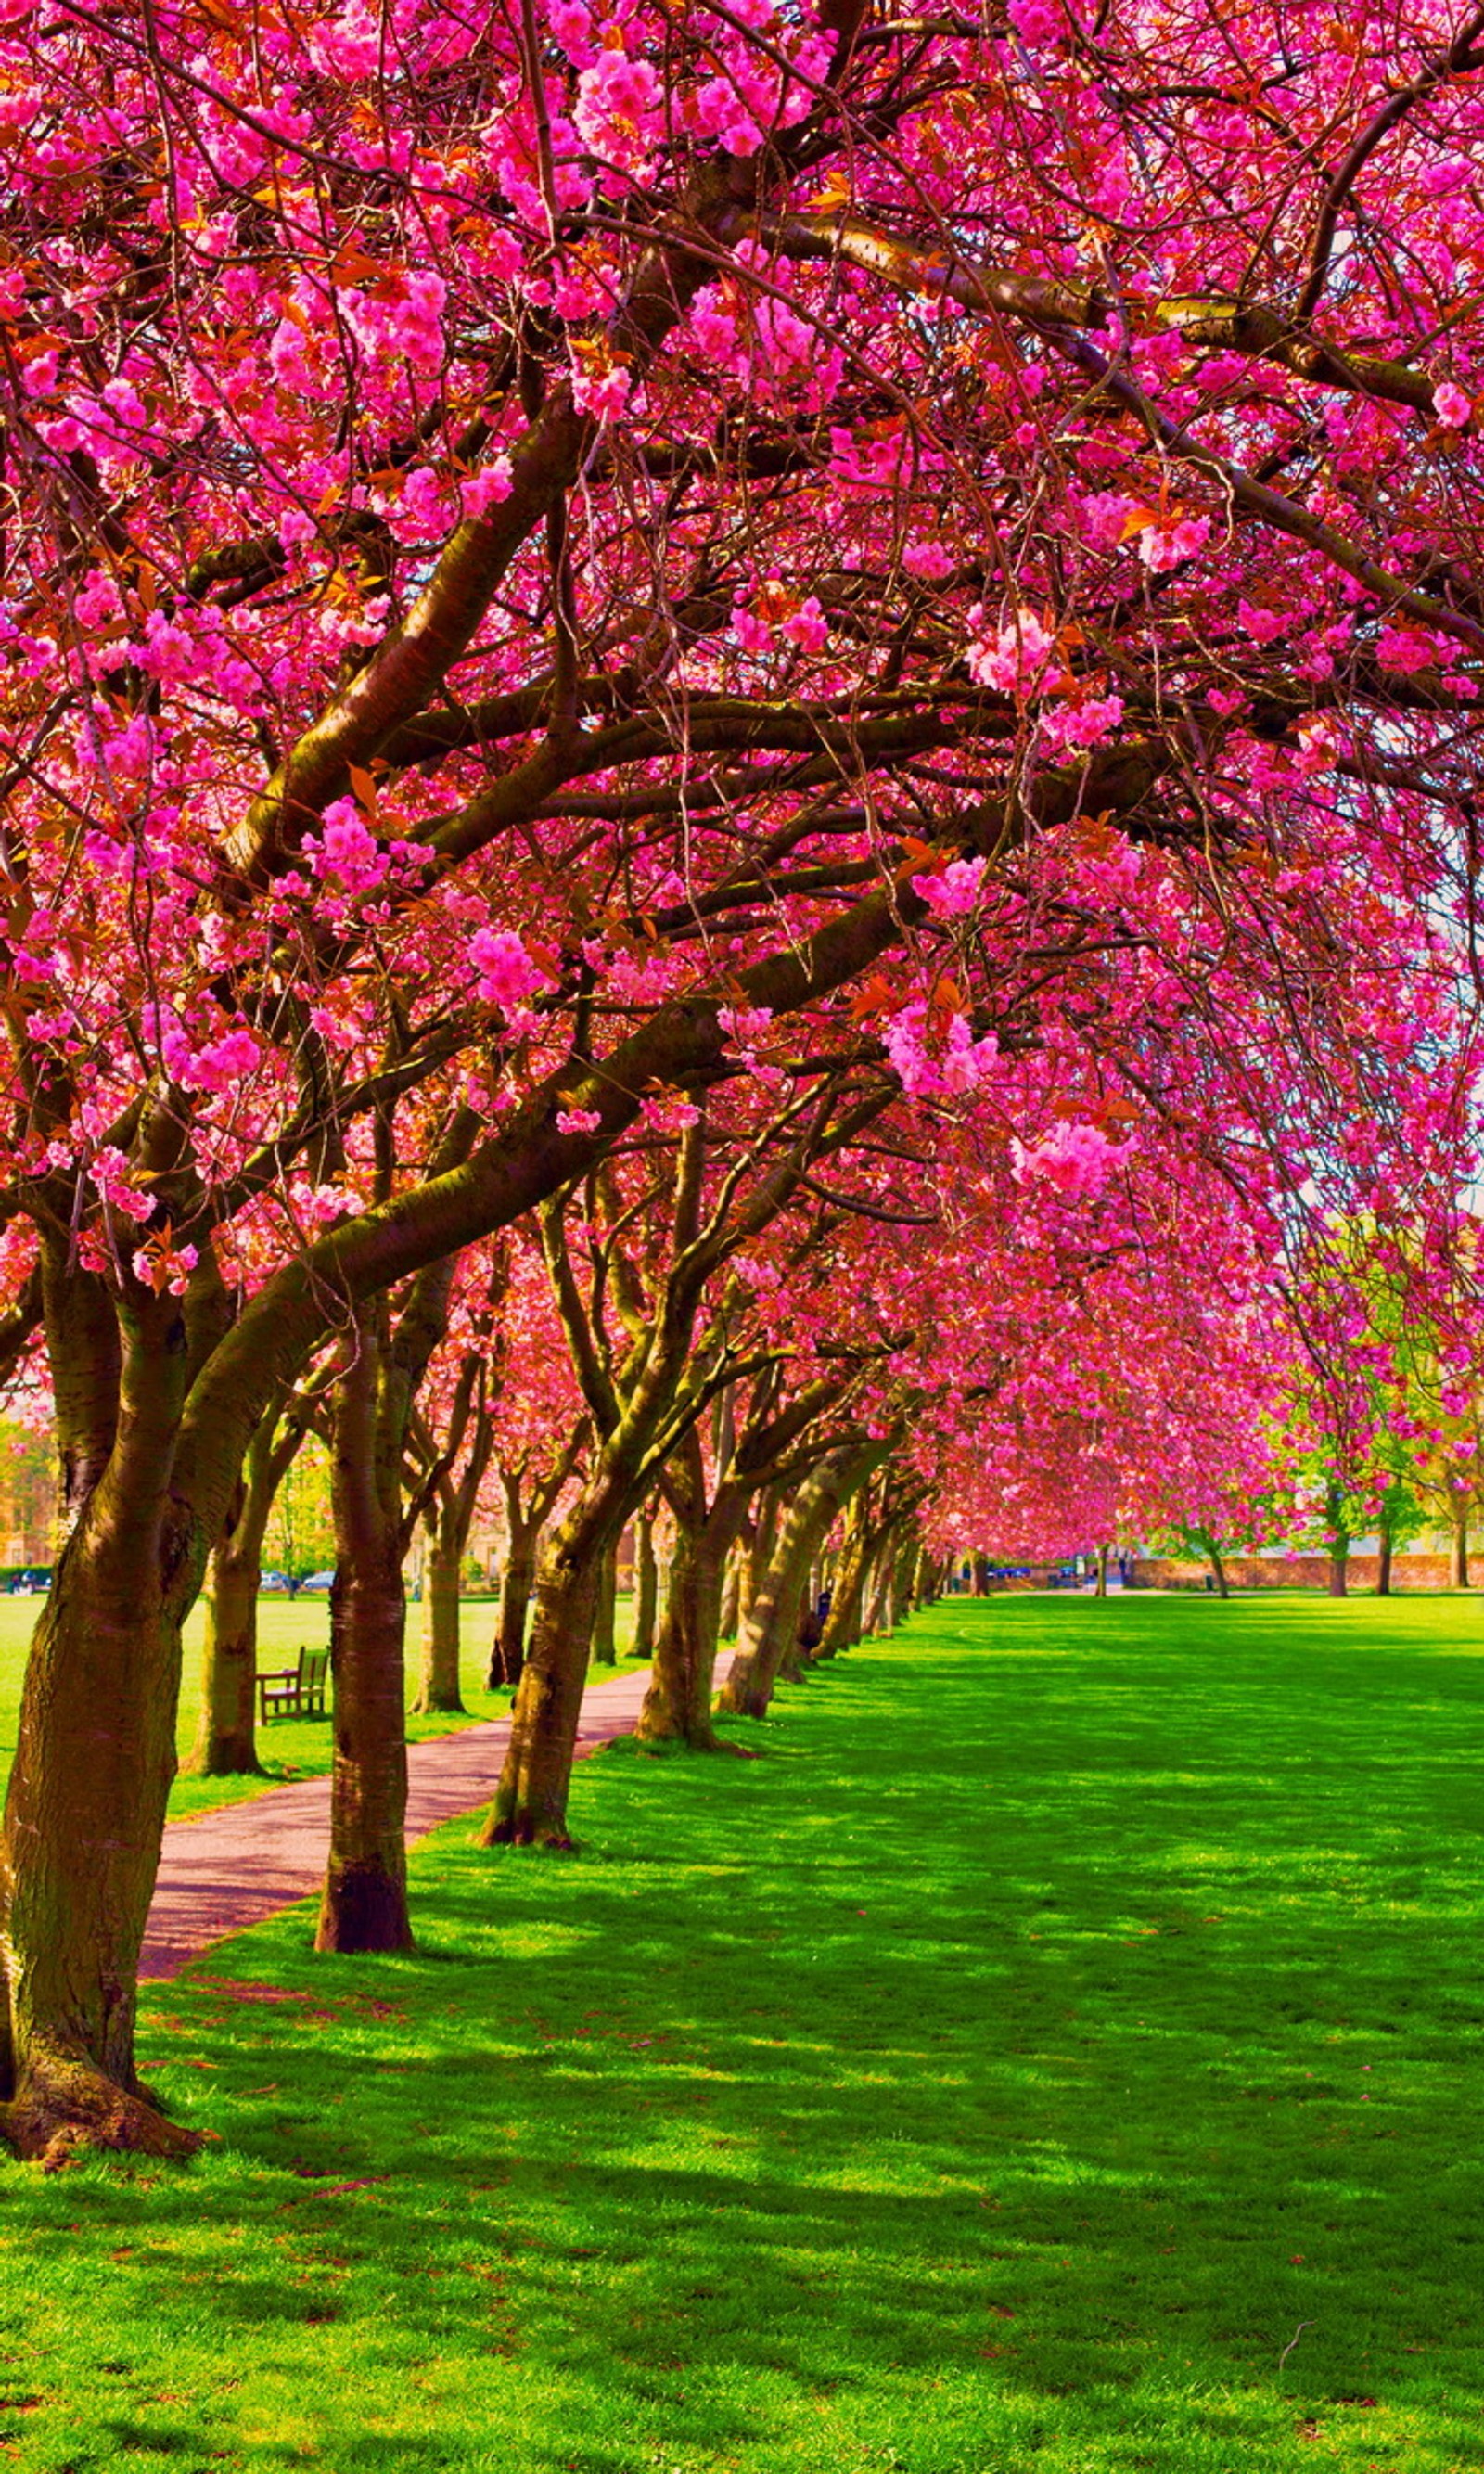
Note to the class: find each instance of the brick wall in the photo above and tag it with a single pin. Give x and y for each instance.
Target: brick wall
(1296, 1572)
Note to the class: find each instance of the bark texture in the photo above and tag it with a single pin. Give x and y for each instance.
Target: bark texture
(364, 1902)
(226, 1744)
(95, 1751)
(768, 1633)
(1383, 1559)
(605, 1609)
(647, 1583)
(363, 1906)
(439, 1690)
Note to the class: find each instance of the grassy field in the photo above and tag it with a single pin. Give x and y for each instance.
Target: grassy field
(1059, 2055)
(289, 1747)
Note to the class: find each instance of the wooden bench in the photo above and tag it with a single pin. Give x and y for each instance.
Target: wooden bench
(295, 1691)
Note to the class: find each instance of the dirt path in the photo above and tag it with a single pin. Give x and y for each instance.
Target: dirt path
(227, 1869)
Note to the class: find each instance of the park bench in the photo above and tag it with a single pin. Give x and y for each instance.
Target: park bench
(295, 1691)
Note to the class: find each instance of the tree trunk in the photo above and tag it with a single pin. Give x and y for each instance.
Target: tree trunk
(364, 1903)
(842, 1623)
(85, 1808)
(530, 1803)
(677, 1704)
(759, 1550)
(1339, 1540)
(1383, 1556)
(605, 1610)
(507, 1657)
(769, 1634)
(1218, 1569)
(364, 1906)
(1100, 1585)
(88, 1788)
(646, 1586)
(731, 1593)
(1458, 1558)
(880, 1591)
(438, 1673)
(226, 1742)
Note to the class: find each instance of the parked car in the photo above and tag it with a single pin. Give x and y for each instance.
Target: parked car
(277, 1581)
(318, 1581)
(31, 1583)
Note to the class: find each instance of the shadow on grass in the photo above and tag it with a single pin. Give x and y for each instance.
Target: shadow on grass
(1051, 2054)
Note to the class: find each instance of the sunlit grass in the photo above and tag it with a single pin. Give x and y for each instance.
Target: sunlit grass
(1058, 2056)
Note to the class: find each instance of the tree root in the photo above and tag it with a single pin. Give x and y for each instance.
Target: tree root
(63, 2108)
(521, 1829)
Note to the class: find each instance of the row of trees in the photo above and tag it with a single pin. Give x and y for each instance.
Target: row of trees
(825, 663)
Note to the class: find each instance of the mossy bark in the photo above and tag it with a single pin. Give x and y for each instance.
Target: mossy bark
(646, 1579)
(439, 1692)
(226, 1744)
(518, 1580)
(530, 1803)
(731, 1593)
(605, 1609)
(1383, 1557)
(364, 1903)
(95, 1751)
(1206, 1540)
(769, 1634)
(528, 1510)
(1458, 1549)
(842, 1624)
(363, 1906)
(677, 1704)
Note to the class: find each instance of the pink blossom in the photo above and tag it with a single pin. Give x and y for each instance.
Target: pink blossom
(604, 392)
(927, 559)
(487, 487)
(808, 627)
(572, 27)
(110, 1173)
(929, 1065)
(1164, 545)
(1453, 408)
(507, 973)
(1103, 516)
(719, 112)
(350, 45)
(745, 1023)
(168, 1267)
(578, 1121)
(1074, 1160)
(1264, 626)
(1037, 21)
(618, 114)
(348, 849)
(1083, 725)
(1016, 658)
(1405, 649)
(953, 893)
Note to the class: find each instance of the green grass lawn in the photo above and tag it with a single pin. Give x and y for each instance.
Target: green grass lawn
(289, 1747)
(1059, 2055)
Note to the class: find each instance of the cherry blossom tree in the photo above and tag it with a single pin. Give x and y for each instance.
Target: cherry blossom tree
(558, 557)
